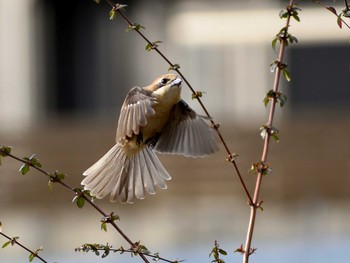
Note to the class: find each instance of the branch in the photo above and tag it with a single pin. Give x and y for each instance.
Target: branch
(340, 20)
(106, 249)
(13, 241)
(153, 46)
(81, 195)
(262, 167)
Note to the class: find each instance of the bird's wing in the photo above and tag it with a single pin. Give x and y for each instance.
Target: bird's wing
(187, 133)
(136, 108)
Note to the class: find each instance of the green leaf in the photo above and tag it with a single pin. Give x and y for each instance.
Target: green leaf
(24, 169)
(136, 27)
(275, 137)
(80, 202)
(35, 162)
(292, 39)
(286, 75)
(5, 151)
(112, 14)
(296, 17)
(283, 13)
(174, 67)
(104, 226)
(222, 252)
(197, 95)
(59, 176)
(6, 244)
(266, 101)
(152, 45)
(273, 43)
(282, 99)
(339, 21)
(106, 253)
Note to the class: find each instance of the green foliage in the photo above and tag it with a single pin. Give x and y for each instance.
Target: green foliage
(108, 219)
(282, 66)
(29, 162)
(35, 253)
(135, 26)
(11, 242)
(290, 11)
(80, 197)
(286, 74)
(197, 95)
(242, 251)
(96, 248)
(174, 67)
(283, 37)
(272, 131)
(261, 167)
(113, 13)
(153, 45)
(5, 151)
(278, 96)
(216, 252)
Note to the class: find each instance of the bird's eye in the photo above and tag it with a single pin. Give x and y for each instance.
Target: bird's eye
(164, 81)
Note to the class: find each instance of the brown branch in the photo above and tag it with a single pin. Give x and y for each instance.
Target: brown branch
(332, 10)
(52, 178)
(14, 241)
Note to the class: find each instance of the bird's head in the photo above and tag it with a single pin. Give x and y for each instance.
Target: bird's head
(167, 86)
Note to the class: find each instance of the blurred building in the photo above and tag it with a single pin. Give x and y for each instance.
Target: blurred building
(61, 58)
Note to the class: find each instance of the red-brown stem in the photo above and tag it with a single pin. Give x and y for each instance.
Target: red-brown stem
(325, 6)
(255, 205)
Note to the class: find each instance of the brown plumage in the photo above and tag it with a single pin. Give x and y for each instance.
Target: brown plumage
(152, 119)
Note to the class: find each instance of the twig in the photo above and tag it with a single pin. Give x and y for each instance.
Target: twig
(108, 248)
(332, 10)
(80, 194)
(256, 203)
(14, 241)
(231, 156)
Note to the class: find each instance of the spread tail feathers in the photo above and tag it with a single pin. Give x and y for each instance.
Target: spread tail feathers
(125, 178)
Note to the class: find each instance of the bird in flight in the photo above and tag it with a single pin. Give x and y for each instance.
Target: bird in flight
(152, 119)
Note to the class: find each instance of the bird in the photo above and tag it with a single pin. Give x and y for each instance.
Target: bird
(153, 119)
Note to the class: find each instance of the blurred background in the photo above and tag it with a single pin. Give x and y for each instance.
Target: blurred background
(65, 69)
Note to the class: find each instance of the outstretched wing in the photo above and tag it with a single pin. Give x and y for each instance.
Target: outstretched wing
(187, 133)
(136, 108)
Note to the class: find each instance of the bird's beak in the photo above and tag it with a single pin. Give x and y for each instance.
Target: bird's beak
(176, 82)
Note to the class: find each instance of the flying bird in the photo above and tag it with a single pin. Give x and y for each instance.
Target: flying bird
(152, 119)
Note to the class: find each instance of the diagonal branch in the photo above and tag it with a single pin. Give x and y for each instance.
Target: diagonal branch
(78, 193)
(14, 241)
(333, 11)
